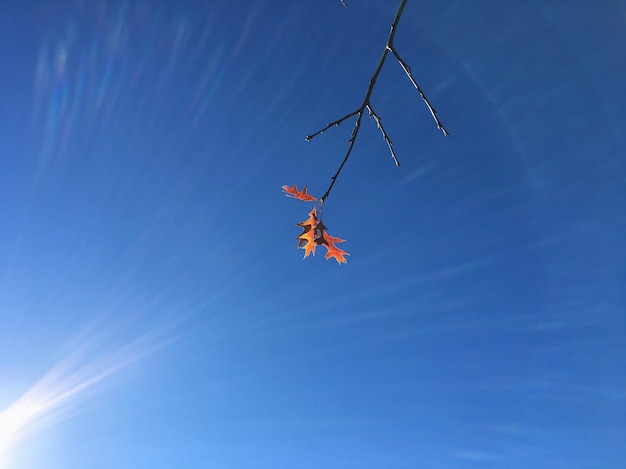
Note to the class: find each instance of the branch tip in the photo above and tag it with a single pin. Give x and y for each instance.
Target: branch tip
(407, 70)
(379, 123)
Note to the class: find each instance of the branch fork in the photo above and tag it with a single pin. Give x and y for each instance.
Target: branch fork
(366, 105)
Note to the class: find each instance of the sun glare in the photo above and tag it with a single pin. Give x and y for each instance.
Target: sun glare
(13, 420)
(97, 355)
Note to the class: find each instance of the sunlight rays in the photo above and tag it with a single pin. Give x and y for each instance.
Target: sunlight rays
(97, 353)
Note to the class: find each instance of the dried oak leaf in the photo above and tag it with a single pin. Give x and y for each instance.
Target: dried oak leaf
(296, 194)
(333, 251)
(306, 240)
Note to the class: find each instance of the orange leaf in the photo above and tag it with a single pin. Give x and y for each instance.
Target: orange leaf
(306, 240)
(333, 251)
(314, 233)
(296, 194)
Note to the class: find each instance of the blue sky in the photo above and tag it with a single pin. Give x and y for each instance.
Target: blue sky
(154, 309)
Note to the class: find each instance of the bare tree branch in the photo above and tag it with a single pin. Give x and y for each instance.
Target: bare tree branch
(367, 105)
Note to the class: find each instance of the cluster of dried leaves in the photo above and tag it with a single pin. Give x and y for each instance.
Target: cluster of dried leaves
(314, 232)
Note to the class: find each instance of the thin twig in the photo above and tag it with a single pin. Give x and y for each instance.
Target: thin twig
(355, 132)
(331, 124)
(407, 70)
(382, 131)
